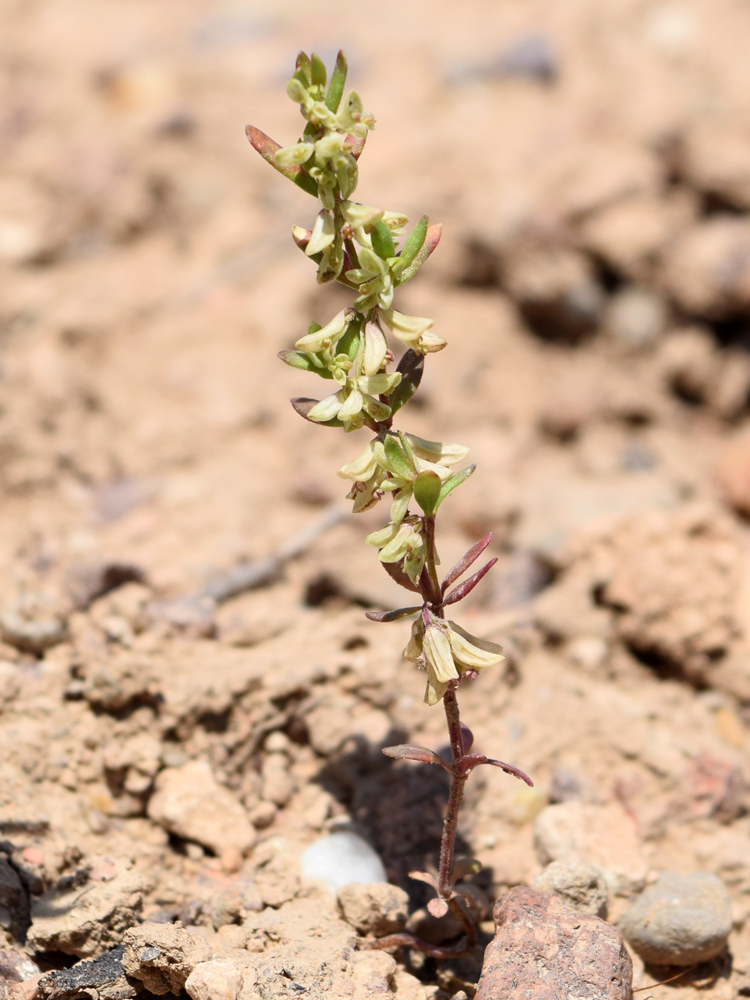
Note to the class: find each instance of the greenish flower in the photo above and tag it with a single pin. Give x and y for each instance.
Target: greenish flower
(413, 331)
(374, 281)
(401, 542)
(447, 652)
(357, 399)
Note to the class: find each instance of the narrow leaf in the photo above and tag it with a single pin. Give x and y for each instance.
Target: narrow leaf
(303, 361)
(404, 751)
(411, 367)
(391, 616)
(302, 69)
(382, 241)
(412, 245)
(398, 461)
(427, 491)
(396, 572)
(464, 589)
(466, 560)
(318, 73)
(337, 84)
(432, 239)
(455, 480)
(510, 769)
(303, 406)
(266, 146)
(349, 343)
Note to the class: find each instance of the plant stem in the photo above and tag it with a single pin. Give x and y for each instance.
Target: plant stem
(450, 823)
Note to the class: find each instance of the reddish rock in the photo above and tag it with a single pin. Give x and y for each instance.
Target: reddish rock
(543, 950)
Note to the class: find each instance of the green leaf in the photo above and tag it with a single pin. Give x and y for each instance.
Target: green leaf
(337, 84)
(349, 343)
(382, 241)
(304, 361)
(318, 73)
(427, 487)
(413, 244)
(411, 367)
(453, 481)
(302, 68)
(303, 406)
(266, 146)
(398, 460)
(431, 241)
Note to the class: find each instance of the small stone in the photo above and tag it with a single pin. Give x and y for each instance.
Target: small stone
(544, 950)
(214, 981)
(14, 903)
(341, 858)
(636, 317)
(162, 956)
(602, 835)
(378, 908)
(680, 920)
(579, 885)
(278, 784)
(189, 801)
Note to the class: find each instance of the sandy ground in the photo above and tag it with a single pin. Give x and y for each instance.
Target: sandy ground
(591, 165)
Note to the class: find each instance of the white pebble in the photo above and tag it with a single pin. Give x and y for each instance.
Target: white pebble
(341, 858)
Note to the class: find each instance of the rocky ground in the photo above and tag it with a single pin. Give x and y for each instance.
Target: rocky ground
(190, 695)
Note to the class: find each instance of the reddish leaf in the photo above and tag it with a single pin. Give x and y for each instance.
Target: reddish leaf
(391, 616)
(396, 573)
(466, 560)
(509, 769)
(404, 751)
(267, 146)
(302, 405)
(464, 589)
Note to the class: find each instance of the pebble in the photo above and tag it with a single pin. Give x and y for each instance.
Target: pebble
(545, 950)
(681, 920)
(341, 858)
(580, 885)
(214, 981)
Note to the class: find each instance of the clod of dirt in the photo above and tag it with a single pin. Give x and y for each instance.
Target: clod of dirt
(680, 920)
(162, 956)
(189, 802)
(87, 916)
(545, 950)
(378, 908)
(708, 269)
(601, 835)
(580, 885)
(86, 581)
(14, 903)
(103, 978)
(554, 289)
(214, 981)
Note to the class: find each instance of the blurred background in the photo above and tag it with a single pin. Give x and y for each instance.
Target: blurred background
(590, 162)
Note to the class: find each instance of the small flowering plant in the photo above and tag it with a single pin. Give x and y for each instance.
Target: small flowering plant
(368, 250)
